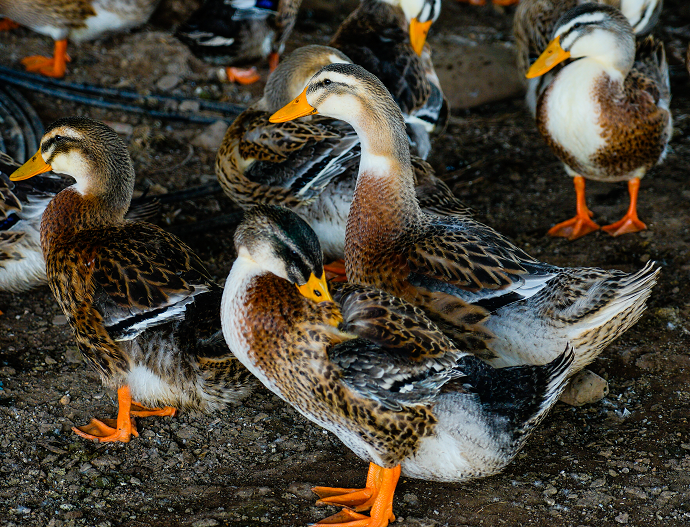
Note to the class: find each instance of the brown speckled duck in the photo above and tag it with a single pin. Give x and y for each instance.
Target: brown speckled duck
(143, 309)
(523, 308)
(605, 115)
(308, 165)
(75, 20)
(374, 370)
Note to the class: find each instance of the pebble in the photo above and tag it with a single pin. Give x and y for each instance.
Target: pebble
(64, 400)
(623, 517)
(168, 82)
(59, 320)
(206, 522)
(586, 387)
(212, 136)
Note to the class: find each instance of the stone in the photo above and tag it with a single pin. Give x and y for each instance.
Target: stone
(212, 136)
(586, 387)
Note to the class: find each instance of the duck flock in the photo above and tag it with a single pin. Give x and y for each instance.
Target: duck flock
(439, 345)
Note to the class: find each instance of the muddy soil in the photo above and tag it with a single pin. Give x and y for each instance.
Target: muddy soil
(624, 460)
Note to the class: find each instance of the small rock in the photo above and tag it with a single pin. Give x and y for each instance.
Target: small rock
(212, 136)
(168, 82)
(623, 517)
(59, 320)
(586, 387)
(301, 490)
(121, 128)
(206, 522)
(64, 400)
(50, 361)
(189, 106)
(73, 355)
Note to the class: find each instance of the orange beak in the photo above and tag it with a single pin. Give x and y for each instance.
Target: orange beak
(299, 107)
(316, 289)
(31, 168)
(552, 55)
(418, 32)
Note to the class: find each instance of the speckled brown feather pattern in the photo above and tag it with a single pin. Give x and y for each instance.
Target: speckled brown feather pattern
(634, 122)
(290, 347)
(375, 36)
(67, 14)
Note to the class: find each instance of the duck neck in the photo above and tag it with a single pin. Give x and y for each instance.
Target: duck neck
(71, 212)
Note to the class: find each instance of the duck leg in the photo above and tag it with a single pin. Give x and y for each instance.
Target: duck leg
(581, 224)
(50, 67)
(6, 24)
(630, 222)
(124, 427)
(242, 76)
(377, 496)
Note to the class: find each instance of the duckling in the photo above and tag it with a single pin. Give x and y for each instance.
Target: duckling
(374, 370)
(77, 20)
(387, 38)
(309, 165)
(535, 21)
(237, 32)
(522, 309)
(606, 115)
(143, 309)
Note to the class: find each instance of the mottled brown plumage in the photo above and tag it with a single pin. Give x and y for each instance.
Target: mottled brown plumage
(143, 309)
(373, 369)
(487, 294)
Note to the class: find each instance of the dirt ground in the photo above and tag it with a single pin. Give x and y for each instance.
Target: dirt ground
(624, 460)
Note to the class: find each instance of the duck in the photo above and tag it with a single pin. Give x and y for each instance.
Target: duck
(143, 308)
(486, 293)
(605, 115)
(308, 165)
(76, 20)
(238, 32)
(388, 38)
(373, 369)
(535, 21)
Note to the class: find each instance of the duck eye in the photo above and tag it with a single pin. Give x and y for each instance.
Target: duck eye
(326, 82)
(317, 293)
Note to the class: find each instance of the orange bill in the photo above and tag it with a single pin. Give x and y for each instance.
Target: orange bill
(418, 32)
(31, 168)
(553, 54)
(292, 110)
(316, 289)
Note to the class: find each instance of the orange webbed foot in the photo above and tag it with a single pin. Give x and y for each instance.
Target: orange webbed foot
(54, 66)
(627, 224)
(574, 228)
(348, 518)
(377, 496)
(630, 222)
(242, 76)
(6, 24)
(335, 271)
(108, 430)
(356, 499)
(139, 410)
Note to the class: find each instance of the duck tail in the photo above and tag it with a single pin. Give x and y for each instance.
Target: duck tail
(610, 308)
(519, 397)
(650, 60)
